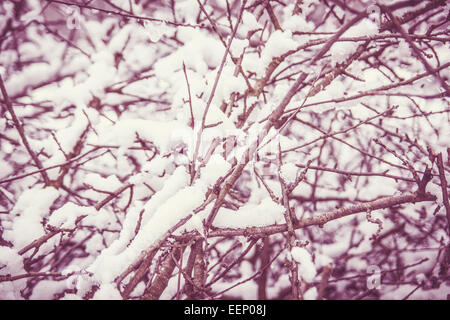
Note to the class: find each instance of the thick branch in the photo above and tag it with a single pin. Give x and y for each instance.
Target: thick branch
(162, 279)
(320, 220)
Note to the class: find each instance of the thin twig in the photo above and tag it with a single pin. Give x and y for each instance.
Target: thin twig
(445, 200)
(214, 87)
(21, 131)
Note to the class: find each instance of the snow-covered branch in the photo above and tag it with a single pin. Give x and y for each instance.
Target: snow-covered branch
(224, 149)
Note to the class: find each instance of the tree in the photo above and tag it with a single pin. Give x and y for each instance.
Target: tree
(224, 149)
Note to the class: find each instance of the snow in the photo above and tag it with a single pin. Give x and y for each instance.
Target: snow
(196, 222)
(216, 167)
(436, 190)
(278, 43)
(178, 180)
(94, 245)
(9, 11)
(109, 183)
(66, 216)
(187, 10)
(265, 213)
(249, 21)
(247, 290)
(30, 208)
(5, 169)
(238, 46)
(366, 27)
(306, 268)
(68, 137)
(107, 291)
(33, 75)
(99, 219)
(177, 207)
(296, 22)
(251, 62)
(288, 172)
(124, 133)
(47, 289)
(155, 30)
(11, 263)
(203, 52)
(337, 248)
(155, 222)
(71, 296)
(157, 166)
(311, 294)
(343, 49)
(54, 82)
(228, 84)
(101, 73)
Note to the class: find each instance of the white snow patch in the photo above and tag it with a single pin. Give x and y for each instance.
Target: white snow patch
(216, 167)
(251, 215)
(11, 263)
(108, 291)
(288, 172)
(311, 294)
(30, 208)
(66, 216)
(168, 206)
(306, 268)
